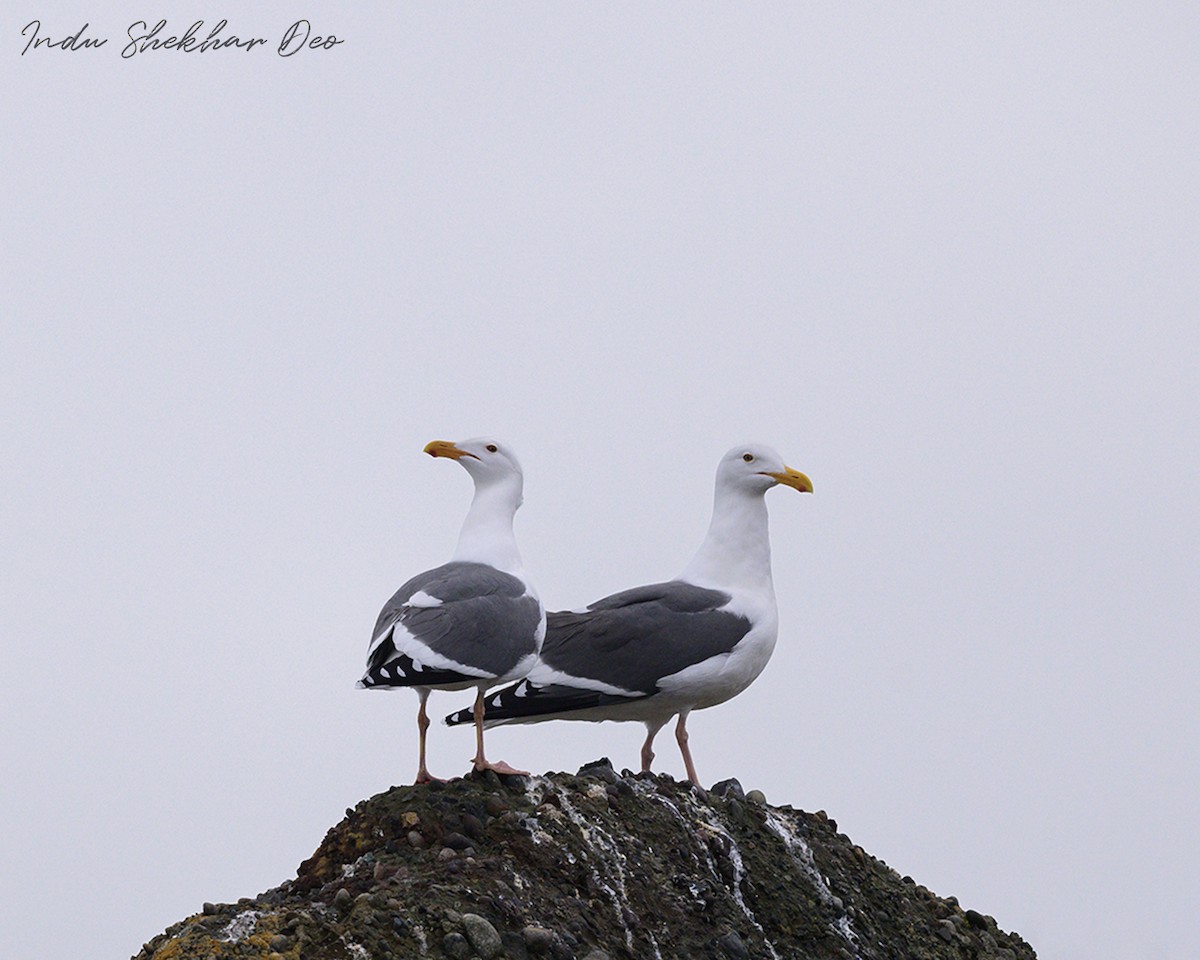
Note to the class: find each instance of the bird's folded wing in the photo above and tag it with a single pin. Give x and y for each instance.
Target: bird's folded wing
(631, 640)
(458, 622)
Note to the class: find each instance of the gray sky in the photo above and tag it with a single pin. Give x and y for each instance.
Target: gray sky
(943, 256)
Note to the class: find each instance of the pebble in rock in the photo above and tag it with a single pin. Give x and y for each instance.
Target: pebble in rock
(494, 805)
(415, 840)
(733, 946)
(756, 796)
(342, 898)
(601, 769)
(490, 779)
(384, 871)
(729, 788)
(597, 954)
(455, 841)
(538, 939)
(514, 946)
(482, 934)
(455, 945)
(976, 919)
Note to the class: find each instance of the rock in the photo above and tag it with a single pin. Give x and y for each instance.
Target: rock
(514, 946)
(513, 783)
(384, 871)
(208, 909)
(756, 796)
(729, 788)
(733, 946)
(565, 876)
(455, 945)
(495, 805)
(482, 934)
(596, 954)
(538, 939)
(455, 841)
(602, 769)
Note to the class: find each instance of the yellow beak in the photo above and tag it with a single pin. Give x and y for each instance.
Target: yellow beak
(792, 478)
(444, 448)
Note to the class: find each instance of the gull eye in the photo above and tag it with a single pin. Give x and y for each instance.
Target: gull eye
(748, 457)
(492, 448)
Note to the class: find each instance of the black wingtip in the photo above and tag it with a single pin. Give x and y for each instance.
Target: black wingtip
(493, 708)
(524, 700)
(459, 717)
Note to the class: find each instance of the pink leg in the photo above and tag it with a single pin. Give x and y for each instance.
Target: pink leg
(681, 737)
(481, 762)
(647, 747)
(423, 775)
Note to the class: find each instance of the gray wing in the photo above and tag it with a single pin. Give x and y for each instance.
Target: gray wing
(634, 638)
(485, 621)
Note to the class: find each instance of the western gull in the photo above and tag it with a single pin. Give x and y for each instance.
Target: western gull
(473, 622)
(660, 651)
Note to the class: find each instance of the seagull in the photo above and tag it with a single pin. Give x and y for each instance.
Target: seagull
(661, 651)
(473, 622)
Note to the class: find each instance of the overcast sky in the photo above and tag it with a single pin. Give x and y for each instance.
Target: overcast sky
(942, 256)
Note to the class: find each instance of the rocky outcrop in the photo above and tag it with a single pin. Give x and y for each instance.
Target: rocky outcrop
(593, 866)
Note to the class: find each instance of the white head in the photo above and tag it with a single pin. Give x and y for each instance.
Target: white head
(755, 468)
(487, 531)
(736, 552)
(489, 462)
